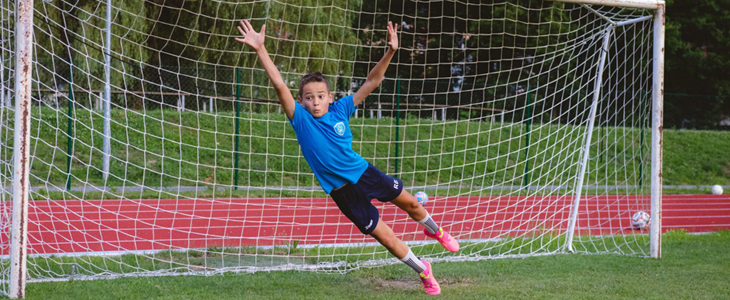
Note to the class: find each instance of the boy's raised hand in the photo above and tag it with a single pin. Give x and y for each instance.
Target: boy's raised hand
(376, 74)
(393, 35)
(251, 37)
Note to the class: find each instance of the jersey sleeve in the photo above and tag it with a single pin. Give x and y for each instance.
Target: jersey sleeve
(299, 112)
(346, 105)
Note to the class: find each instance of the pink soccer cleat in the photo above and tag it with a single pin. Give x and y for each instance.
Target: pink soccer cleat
(429, 283)
(445, 239)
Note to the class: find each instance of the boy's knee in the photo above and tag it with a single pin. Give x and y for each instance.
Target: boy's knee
(413, 206)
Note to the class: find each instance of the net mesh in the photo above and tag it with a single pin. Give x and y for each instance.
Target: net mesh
(486, 107)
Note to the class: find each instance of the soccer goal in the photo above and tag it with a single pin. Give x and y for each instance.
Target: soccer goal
(138, 138)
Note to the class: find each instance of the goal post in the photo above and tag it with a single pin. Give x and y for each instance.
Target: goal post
(657, 142)
(21, 148)
(143, 140)
(659, 19)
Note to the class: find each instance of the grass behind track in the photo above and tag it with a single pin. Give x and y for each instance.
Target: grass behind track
(692, 267)
(162, 148)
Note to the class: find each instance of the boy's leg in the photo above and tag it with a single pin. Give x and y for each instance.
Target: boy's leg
(415, 210)
(386, 237)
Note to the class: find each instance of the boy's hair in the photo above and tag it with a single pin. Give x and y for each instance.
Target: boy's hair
(312, 77)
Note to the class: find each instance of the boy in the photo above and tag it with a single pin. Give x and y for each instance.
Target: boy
(323, 132)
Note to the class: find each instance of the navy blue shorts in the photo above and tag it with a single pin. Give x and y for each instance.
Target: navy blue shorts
(354, 199)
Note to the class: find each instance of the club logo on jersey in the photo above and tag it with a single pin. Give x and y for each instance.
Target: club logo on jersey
(340, 128)
(395, 184)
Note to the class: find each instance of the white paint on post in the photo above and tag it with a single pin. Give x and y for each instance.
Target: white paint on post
(380, 113)
(210, 100)
(21, 147)
(107, 91)
(657, 123)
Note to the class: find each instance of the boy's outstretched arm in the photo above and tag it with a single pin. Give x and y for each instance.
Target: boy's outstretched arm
(256, 41)
(377, 73)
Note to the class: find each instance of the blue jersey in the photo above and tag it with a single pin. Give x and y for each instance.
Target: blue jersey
(326, 144)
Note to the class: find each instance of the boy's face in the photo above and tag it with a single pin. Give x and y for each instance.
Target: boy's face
(316, 98)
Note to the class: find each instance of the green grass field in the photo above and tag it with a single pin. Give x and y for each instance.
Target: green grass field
(692, 267)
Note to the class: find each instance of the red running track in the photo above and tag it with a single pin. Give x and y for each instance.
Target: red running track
(121, 225)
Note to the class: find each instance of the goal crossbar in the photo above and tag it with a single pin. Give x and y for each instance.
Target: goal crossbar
(647, 4)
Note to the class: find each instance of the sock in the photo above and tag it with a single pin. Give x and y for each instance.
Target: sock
(412, 261)
(429, 224)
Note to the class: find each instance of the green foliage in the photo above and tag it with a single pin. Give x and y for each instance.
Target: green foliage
(176, 45)
(697, 61)
(78, 33)
(698, 47)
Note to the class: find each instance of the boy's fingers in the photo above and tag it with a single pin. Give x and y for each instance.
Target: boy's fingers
(263, 27)
(240, 40)
(248, 26)
(241, 30)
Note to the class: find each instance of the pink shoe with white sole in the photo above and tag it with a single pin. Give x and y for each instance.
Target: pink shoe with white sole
(429, 283)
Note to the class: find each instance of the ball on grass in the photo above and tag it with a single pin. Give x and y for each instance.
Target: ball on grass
(640, 220)
(716, 190)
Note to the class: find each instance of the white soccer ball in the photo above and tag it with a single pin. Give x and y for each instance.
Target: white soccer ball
(716, 190)
(421, 197)
(640, 220)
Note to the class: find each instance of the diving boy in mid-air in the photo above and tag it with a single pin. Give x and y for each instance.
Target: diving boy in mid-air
(323, 132)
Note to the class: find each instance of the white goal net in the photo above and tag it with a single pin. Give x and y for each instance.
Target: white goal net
(157, 146)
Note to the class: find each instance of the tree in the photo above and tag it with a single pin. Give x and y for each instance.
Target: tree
(302, 36)
(77, 32)
(697, 61)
